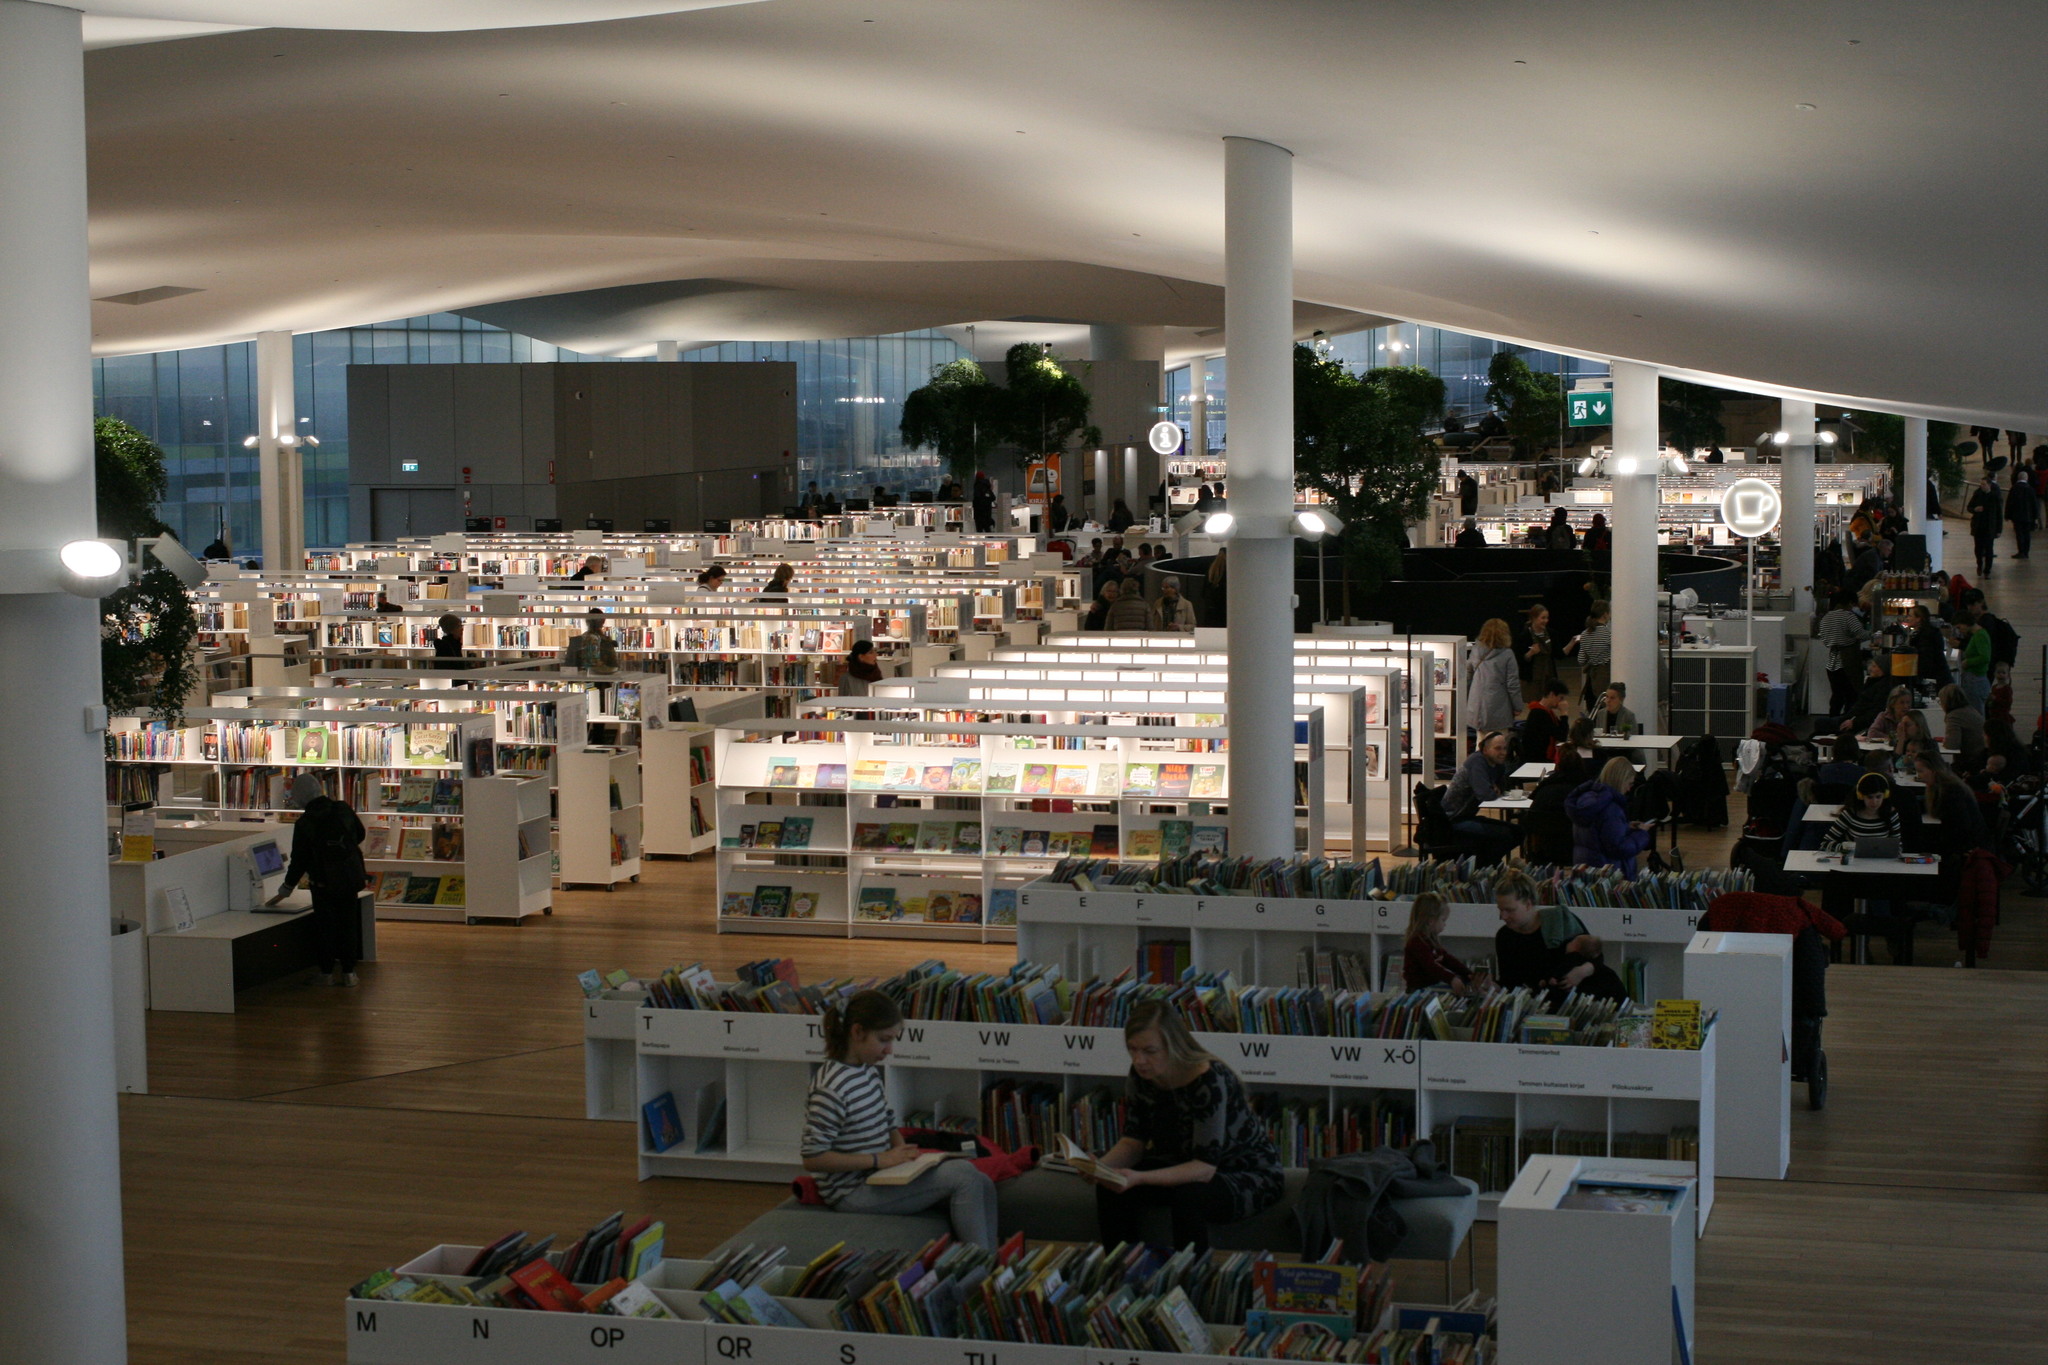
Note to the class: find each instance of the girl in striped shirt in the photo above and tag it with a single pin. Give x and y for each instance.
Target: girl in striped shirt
(850, 1130)
(1869, 815)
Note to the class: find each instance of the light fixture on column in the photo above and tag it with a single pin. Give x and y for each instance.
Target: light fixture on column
(92, 568)
(1785, 438)
(290, 440)
(1313, 523)
(1219, 525)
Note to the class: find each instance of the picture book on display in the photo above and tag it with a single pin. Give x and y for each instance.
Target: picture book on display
(737, 903)
(771, 902)
(876, 903)
(664, 1124)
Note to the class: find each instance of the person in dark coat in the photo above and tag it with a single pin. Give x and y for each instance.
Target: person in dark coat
(984, 503)
(1470, 537)
(1468, 494)
(1987, 517)
(1602, 833)
(1546, 825)
(2023, 510)
(1547, 946)
(327, 854)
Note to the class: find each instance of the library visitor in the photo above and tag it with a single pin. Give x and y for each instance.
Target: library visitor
(1898, 704)
(1594, 647)
(1546, 948)
(1930, 646)
(712, 578)
(385, 604)
(1494, 692)
(591, 565)
(863, 668)
(1844, 766)
(1176, 613)
(777, 587)
(1130, 610)
(1602, 833)
(1425, 962)
(1534, 656)
(1098, 610)
(1870, 814)
(1543, 730)
(1480, 779)
(984, 503)
(1614, 717)
(1121, 518)
(1191, 1143)
(850, 1130)
(448, 637)
(327, 854)
(593, 650)
(1547, 825)
(1470, 537)
(1962, 726)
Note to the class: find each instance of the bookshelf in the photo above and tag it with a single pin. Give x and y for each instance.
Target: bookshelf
(679, 781)
(445, 841)
(870, 864)
(1713, 691)
(1514, 1096)
(600, 815)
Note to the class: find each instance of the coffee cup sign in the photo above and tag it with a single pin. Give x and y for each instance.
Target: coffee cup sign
(1750, 508)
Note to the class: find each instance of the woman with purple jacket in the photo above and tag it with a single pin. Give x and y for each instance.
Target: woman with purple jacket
(1602, 833)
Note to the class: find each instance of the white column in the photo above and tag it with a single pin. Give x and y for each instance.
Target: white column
(60, 1168)
(280, 465)
(1258, 314)
(1134, 497)
(1913, 490)
(666, 350)
(1795, 527)
(1099, 508)
(1634, 561)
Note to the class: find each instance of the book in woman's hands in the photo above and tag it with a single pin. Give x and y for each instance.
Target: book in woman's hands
(1076, 1159)
(912, 1169)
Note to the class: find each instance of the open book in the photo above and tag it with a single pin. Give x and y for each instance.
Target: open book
(912, 1169)
(1074, 1157)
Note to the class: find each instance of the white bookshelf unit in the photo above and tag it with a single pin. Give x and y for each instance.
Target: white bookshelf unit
(679, 775)
(409, 775)
(872, 865)
(599, 818)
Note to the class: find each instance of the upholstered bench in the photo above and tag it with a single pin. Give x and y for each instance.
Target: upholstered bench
(1047, 1206)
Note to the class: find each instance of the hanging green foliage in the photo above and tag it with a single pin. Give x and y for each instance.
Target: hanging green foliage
(1882, 436)
(147, 629)
(1690, 414)
(1359, 440)
(966, 417)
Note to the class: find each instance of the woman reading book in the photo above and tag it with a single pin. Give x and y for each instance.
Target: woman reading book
(1547, 948)
(1190, 1145)
(850, 1130)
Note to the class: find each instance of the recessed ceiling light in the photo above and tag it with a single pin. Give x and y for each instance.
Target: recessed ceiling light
(1520, 62)
(1808, 108)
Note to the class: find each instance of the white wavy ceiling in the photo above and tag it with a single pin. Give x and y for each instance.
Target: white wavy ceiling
(1830, 198)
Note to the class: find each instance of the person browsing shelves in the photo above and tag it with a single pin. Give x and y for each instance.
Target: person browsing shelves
(1191, 1143)
(850, 1129)
(327, 854)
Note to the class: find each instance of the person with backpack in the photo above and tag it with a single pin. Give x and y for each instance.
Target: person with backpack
(593, 650)
(327, 854)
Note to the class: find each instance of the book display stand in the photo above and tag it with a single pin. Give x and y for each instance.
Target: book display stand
(444, 842)
(599, 816)
(927, 829)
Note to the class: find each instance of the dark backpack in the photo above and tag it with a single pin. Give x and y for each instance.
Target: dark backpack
(2005, 641)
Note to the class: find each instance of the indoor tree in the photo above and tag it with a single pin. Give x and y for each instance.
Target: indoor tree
(1883, 435)
(965, 416)
(1529, 401)
(147, 629)
(1362, 442)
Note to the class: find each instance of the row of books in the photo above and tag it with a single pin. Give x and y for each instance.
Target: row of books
(886, 902)
(1459, 881)
(1017, 1114)
(531, 759)
(769, 902)
(1165, 781)
(1025, 993)
(925, 836)
(440, 842)
(402, 888)
(518, 1271)
(1305, 1130)
(790, 832)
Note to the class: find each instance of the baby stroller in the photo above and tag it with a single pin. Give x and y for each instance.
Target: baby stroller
(2024, 844)
(1812, 930)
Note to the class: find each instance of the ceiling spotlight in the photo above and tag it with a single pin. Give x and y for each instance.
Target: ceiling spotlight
(1826, 438)
(312, 440)
(1781, 438)
(92, 568)
(1678, 465)
(1314, 523)
(1588, 465)
(1218, 524)
(251, 442)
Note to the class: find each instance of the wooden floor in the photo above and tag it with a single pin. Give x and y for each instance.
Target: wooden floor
(319, 1134)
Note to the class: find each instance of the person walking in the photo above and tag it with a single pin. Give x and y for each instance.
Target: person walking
(1987, 516)
(448, 640)
(593, 650)
(2023, 510)
(1595, 649)
(1468, 493)
(984, 503)
(1535, 657)
(327, 854)
(1844, 633)
(1494, 691)
(1562, 537)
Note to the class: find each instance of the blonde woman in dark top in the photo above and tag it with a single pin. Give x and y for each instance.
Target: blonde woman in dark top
(1191, 1143)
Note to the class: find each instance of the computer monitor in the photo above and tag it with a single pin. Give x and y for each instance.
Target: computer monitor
(887, 500)
(269, 861)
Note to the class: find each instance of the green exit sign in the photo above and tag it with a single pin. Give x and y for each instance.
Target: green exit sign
(1595, 409)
